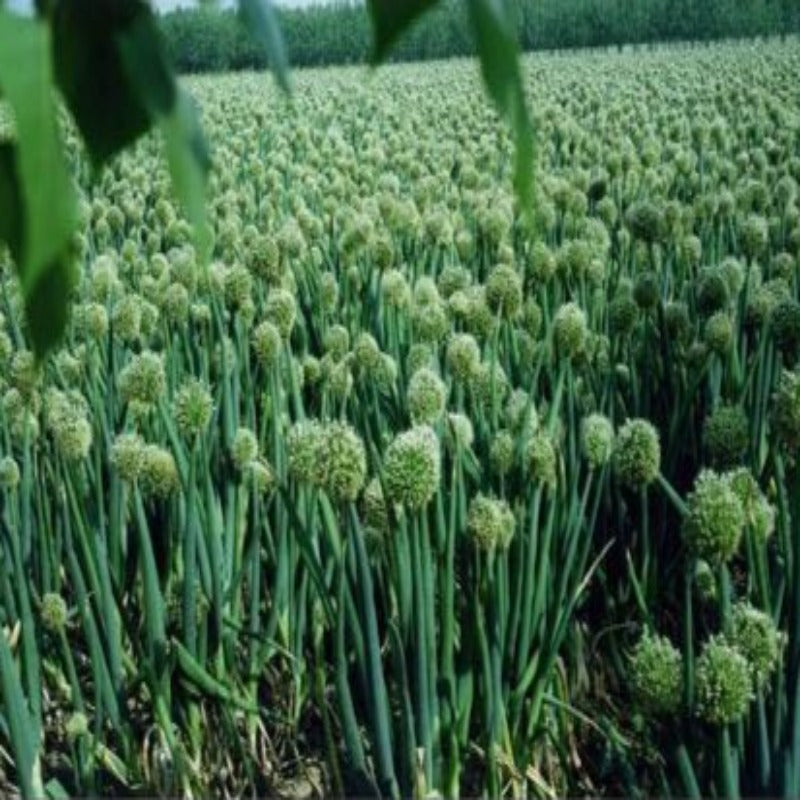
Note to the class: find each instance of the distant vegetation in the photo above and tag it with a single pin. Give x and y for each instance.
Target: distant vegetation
(203, 40)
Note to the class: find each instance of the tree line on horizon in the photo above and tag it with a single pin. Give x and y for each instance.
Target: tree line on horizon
(207, 39)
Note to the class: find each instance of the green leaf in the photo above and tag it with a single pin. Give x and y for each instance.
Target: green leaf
(147, 72)
(189, 161)
(496, 40)
(45, 216)
(11, 219)
(46, 306)
(91, 74)
(390, 18)
(23, 729)
(55, 790)
(260, 19)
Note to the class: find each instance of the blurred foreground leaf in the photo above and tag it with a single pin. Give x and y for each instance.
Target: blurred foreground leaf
(390, 18)
(498, 50)
(189, 162)
(146, 69)
(37, 193)
(260, 19)
(496, 41)
(92, 70)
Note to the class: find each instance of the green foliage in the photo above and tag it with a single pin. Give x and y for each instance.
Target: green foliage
(37, 187)
(111, 67)
(390, 18)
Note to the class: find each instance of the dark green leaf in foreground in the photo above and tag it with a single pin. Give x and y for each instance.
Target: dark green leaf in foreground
(43, 213)
(390, 18)
(189, 161)
(11, 219)
(260, 19)
(92, 76)
(147, 73)
(496, 40)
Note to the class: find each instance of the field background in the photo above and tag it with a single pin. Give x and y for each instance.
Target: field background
(409, 492)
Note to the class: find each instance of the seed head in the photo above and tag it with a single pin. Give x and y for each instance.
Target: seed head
(541, 264)
(678, 324)
(420, 355)
(105, 282)
(723, 682)
(501, 452)
(238, 287)
(504, 291)
(786, 411)
(785, 326)
(656, 670)
(597, 440)
(715, 518)
(340, 379)
(9, 473)
(463, 357)
(262, 475)
(395, 289)
(489, 381)
(412, 467)
(53, 612)
(264, 259)
(520, 412)
(754, 236)
(712, 292)
(193, 408)
(346, 467)
(366, 353)
(718, 332)
(176, 304)
(311, 370)
(490, 523)
(732, 272)
(646, 291)
(281, 309)
(726, 436)
(373, 504)
(429, 321)
(143, 379)
(426, 397)
(336, 342)
(758, 511)
(127, 318)
(266, 342)
(244, 448)
(127, 456)
(755, 636)
(328, 292)
(704, 580)
(637, 453)
(159, 476)
(305, 445)
(77, 726)
(645, 221)
(451, 279)
(541, 457)
(570, 330)
(24, 372)
(622, 315)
